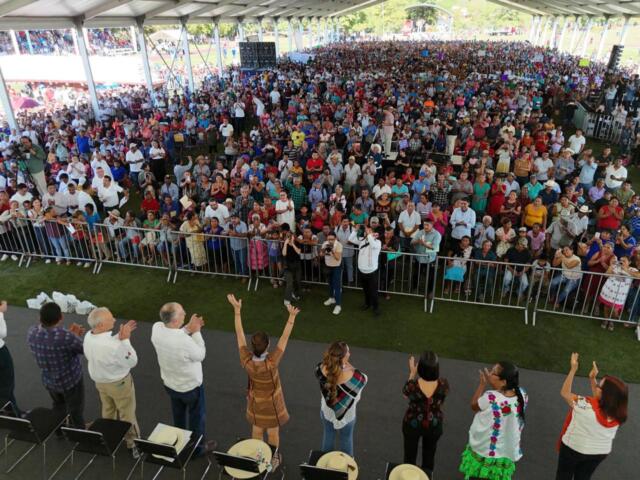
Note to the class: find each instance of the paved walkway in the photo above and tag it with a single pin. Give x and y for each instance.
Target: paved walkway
(378, 436)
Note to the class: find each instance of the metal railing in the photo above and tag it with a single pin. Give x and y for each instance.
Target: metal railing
(607, 297)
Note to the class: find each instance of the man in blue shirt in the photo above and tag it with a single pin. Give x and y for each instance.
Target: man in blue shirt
(57, 351)
(588, 170)
(82, 142)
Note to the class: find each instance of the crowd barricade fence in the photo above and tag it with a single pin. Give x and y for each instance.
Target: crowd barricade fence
(216, 255)
(606, 297)
(60, 240)
(482, 282)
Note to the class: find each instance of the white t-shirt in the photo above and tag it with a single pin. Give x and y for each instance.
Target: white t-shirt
(275, 96)
(287, 217)
(408, 221)
(135, 160)
(378, 190)
(180, 356)
(576, 143)
(543, 167)
(226, 130)
(585, 434)
(616, 172)
(498, 413)
(221, 213)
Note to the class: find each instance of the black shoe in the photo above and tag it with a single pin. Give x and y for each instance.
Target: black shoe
(376, 313)
(364, 307)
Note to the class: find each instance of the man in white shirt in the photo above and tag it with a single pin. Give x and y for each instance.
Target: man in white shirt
(615, 175)
(108, 193)
(380, 188)
(111, 358)
(463, 219)
(577, 142)
(217, 210)
(181, 350)
(226, 129)
(275, 97)
(542, 165)
(408, 223)
(134, 159)
(369, 251)
(22, 195)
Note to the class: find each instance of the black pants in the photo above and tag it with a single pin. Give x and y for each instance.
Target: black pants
(71, 402)
(7, 380)
(429, 444)
(420, 271)
(576, 466)
(370, 289)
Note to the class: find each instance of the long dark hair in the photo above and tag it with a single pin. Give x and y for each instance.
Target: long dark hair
(614, 398)
(510, 374)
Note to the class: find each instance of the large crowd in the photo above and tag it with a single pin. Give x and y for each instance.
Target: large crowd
(367, 152)
(101, 41)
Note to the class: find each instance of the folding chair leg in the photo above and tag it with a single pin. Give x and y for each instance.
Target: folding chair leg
(66, 459)
(158, 473)
(7, 445)
(24, 455)
(84, 469)
(206, 470)
(135, 465)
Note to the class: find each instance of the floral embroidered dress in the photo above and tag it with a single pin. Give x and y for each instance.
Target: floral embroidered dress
(494, 438)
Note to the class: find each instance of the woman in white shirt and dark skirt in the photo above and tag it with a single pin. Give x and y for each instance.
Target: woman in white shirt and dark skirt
(591, 425)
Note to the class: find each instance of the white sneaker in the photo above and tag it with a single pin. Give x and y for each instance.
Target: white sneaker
(329, 301)
(87, 264)
(295, 298)
(337, 309)
(287, 303)
(14, 258)
(79, 264)
(4, 258)
(48, 260)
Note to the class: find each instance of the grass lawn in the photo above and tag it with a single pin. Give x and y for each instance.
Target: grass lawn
(455, 331)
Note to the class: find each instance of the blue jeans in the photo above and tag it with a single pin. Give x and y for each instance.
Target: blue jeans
(569, 286)
(60, 246)
(335, 284)
(347, 264)
(509, 277)
(240, 260)
(345, 443)
(189, 411)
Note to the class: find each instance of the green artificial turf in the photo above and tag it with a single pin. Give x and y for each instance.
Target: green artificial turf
(477, 333)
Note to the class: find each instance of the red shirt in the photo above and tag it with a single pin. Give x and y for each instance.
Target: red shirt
(150, 205)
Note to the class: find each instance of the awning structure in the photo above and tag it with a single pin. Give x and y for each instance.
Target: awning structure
(595, 8)
(45, 14)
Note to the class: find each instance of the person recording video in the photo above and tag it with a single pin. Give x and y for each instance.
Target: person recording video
(331, 250)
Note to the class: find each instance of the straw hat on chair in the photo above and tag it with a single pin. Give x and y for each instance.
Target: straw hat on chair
(407, 472)
(341, 462)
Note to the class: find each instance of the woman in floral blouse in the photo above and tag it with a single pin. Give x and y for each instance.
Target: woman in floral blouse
(426, 392)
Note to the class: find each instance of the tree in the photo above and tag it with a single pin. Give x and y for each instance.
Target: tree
(427, 13)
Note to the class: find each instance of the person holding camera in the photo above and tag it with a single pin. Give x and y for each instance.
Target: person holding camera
(331, 250)
(34, 158)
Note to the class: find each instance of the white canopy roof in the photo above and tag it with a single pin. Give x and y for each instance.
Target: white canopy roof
(596, 8)
(43, 14)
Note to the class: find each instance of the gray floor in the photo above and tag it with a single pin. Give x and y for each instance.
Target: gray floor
(378, 436)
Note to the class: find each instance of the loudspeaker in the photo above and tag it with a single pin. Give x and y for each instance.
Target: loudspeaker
(255, 55)
(614, 58)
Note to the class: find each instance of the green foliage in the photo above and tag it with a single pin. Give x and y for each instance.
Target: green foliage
(389, 16)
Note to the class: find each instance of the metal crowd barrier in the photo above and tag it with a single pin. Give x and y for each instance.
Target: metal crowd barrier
(605, 297)
(599, 296)
(483, 282)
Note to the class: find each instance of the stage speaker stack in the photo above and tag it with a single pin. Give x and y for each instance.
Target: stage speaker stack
(614, 58)
(257, 55)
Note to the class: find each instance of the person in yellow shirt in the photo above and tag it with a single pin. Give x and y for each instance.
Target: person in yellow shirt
(297, 137)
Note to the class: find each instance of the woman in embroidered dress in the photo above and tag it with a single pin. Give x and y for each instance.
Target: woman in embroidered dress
(266, 410)
(426, 392)
(341, 385)
(591, 425)
(494, 436)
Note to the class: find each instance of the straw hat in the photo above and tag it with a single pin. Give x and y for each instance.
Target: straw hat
(407, 472)
(341, 462)
(168, 435)
(250, 448)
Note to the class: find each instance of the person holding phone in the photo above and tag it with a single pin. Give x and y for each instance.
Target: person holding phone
(592, 423)
(369, 251)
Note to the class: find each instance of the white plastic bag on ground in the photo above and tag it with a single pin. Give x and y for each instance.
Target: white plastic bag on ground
(36, 303)
(72, 303)
(62, 301)
(84, 308)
